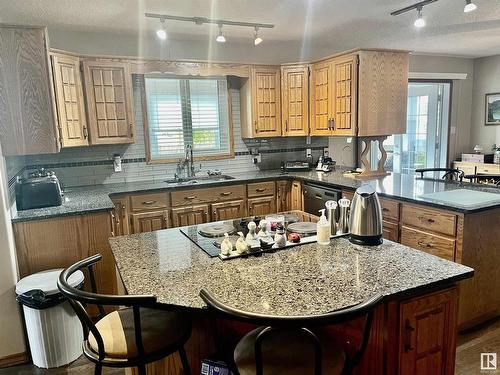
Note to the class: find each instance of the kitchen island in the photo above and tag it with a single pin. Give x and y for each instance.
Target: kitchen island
(418, 314)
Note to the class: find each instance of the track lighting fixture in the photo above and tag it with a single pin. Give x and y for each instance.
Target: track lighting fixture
(220, 38)
(256, 38)
(419, 22)
(162, 32)
(469, 6)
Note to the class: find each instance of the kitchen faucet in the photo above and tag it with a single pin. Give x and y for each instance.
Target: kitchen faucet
(186, 164)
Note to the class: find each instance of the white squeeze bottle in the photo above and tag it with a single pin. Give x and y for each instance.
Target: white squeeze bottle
(323, 229)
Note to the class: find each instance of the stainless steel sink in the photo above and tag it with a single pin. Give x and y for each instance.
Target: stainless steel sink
(197, 180)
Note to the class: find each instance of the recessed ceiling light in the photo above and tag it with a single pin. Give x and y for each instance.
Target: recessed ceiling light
(469, 6)
(419, 22)
(162, 32)
(220, 38)
(256, 38)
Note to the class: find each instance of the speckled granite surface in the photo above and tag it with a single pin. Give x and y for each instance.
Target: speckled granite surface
(308, 279)
(402, 186)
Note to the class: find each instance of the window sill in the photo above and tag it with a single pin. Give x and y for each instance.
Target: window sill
(196, 158)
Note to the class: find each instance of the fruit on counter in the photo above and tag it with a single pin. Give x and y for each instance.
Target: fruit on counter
(294, 237)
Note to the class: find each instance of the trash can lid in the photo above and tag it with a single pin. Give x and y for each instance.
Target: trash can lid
(46, 281)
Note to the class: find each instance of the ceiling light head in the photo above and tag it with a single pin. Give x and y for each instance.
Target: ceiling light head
(220, 38)
(469, 6)
(162, 31)
(419, 22)
(256, 38)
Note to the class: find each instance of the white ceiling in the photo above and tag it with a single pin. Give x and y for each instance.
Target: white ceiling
(312, 25)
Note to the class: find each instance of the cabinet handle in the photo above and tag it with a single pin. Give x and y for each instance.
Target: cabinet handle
(329, 124)
(333, 123)
(429, 220)
(425, 244)
(165, 219)
(85, 133)
(190, 197)
(131, 129)
(260, 190)
(286, 126)
(148, 202)
(409, 331)
(206, 213)
(385, 209)
(226, 193)
(256, 127)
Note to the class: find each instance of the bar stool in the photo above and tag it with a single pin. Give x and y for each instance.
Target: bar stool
(129, 337)
(286, 344)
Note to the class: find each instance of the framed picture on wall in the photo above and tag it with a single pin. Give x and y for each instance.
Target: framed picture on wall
(492, 109)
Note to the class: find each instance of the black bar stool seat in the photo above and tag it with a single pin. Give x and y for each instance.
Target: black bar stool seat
(159, 330)
(292, 348)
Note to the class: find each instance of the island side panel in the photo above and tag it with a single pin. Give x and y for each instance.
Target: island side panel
(479, 296)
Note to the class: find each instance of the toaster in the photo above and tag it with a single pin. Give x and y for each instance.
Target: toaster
(39, 189)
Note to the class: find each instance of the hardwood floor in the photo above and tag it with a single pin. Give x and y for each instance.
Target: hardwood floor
(470, 345)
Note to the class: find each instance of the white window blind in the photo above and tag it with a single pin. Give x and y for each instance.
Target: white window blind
(185, 112)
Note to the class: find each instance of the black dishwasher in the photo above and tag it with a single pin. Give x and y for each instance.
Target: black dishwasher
(315, 197)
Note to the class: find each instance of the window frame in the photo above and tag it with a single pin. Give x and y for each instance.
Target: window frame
(170, 160)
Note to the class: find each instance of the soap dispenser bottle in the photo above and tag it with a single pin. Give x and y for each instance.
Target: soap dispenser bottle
(323, 229)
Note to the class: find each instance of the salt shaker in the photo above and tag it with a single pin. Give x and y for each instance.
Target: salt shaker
(343, 226)
(279, 237)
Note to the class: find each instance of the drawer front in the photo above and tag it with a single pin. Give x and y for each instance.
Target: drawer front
(433, 220)
(390, 231)
(261, 189)
(146, 202)
(430, 243)
(488, 169)
(390, 209)
(188, 197)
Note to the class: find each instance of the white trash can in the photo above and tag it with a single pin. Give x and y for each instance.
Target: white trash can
(55, 334)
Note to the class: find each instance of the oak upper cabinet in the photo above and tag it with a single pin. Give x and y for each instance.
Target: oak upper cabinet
(382, 92)
(108, 87)
(27, 109)
(228, 210)
(260, 103)
(295, 100)
(150, 221)
(191, 215)
(321, 98)
(72, 122)
(428, 334)
(345, 72)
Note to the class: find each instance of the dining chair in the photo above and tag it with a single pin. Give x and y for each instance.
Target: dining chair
(452, 174)
(290, 344)
(132, 336)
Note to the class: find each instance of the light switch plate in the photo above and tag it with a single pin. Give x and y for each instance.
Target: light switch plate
(308, 153)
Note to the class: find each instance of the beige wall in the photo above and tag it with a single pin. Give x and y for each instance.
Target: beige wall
(11, 332)
(486, 80)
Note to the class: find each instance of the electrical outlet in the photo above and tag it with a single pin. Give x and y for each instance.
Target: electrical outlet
(117, 163)
(349, 140)
(257, 158)
(308, 153)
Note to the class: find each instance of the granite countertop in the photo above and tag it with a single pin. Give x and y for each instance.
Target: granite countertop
(308, 279)
(86, 199)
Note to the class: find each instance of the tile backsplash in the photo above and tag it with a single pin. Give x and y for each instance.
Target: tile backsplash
(93, 165)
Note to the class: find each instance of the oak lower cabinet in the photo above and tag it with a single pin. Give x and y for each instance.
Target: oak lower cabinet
(390, 231)
(190, 215)
(296, 197)
(261, 206)
(120, 215)
(283, 195)
(228, 210)
(60, 242)
(428, 333)
(150, 221)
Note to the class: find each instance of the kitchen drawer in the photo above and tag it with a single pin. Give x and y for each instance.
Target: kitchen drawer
(428, 219)
(390, 209)
(196, 196)
(488, 169)
(390, 231)
(261, 189)
(442, 247)
(146, 202)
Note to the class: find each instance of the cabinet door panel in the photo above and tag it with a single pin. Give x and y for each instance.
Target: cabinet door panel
(150, 221)
(321, 99)
(266, 102)
(296, 196)
(295, 97)
(283, 196)
(69, 99)
(345, 82)
(121, 218)
(261, 206)
(428, 333)
(27, 110)
(109, 95)
(390, 231)
(430, 243)
(192, 215)
(228, 210)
